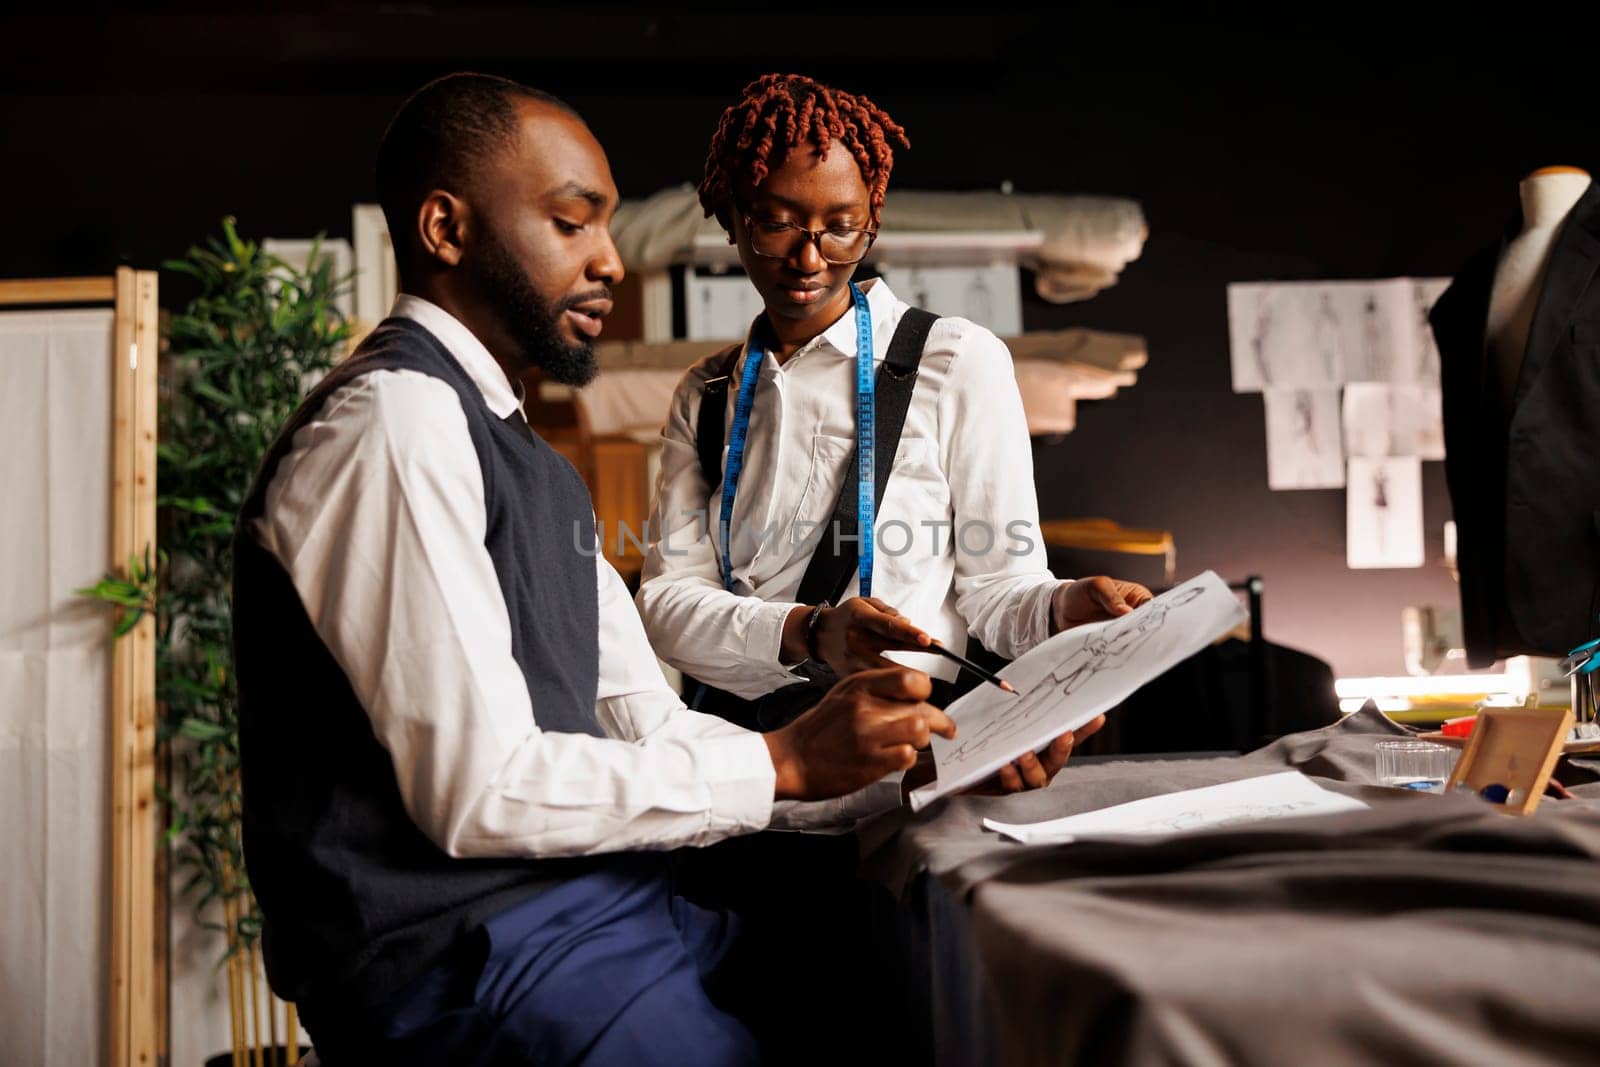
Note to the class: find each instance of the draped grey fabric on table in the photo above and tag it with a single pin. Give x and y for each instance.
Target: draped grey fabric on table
(1426, 930)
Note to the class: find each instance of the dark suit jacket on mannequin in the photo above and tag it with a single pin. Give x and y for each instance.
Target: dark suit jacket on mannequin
(1525, 478)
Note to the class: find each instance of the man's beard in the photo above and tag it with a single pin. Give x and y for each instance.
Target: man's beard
(533, 325)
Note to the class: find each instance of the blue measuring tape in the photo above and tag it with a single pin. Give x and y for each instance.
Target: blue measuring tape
(865, 483)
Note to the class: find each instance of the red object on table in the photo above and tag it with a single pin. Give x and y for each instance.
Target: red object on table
(1459, 727)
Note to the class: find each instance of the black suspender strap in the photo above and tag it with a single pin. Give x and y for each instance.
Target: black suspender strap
(834, 561)
(711, 428)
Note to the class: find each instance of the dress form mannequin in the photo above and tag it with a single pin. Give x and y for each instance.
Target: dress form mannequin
(1548, 196)
(1516, 331)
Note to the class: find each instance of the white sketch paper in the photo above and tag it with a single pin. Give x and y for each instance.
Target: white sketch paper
(988, 295)
(1387, 346)
(1286, 795)
(1383, 516)
(1303, 446)
(1309, 334)
(1393, 420)
(1424, 293)
(1287, 334)
(1074, 676)
(719, 307)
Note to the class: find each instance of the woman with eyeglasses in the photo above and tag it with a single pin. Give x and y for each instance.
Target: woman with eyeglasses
(751, 492)
(855, 478)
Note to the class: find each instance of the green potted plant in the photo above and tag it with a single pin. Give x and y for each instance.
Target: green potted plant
(237, 361)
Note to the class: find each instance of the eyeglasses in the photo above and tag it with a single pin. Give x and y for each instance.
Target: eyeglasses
(837, 245)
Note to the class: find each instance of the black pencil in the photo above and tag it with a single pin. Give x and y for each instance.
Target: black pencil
(993, 679)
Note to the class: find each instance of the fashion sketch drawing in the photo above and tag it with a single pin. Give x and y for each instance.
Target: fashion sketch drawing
(1108, 650)
(1076, 675)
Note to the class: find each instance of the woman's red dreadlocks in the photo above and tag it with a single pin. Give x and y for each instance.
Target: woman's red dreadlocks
(776, 114)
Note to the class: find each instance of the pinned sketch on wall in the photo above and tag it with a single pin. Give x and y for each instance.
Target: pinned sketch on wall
(1389, 345)
(1393, 420)
(1069, 679)
(1288, 335)
(1424, 293)
(1383, 521)
(1300, 344)
(990, 295)
(719, 307)
(1303, 446)
(1304, 334)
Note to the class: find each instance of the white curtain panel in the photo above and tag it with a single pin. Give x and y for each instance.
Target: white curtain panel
(55, 658)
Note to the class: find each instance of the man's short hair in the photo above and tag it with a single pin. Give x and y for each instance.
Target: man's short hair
(440, 138)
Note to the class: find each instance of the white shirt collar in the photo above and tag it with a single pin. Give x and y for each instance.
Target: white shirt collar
(502, 396)
(841, 336)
